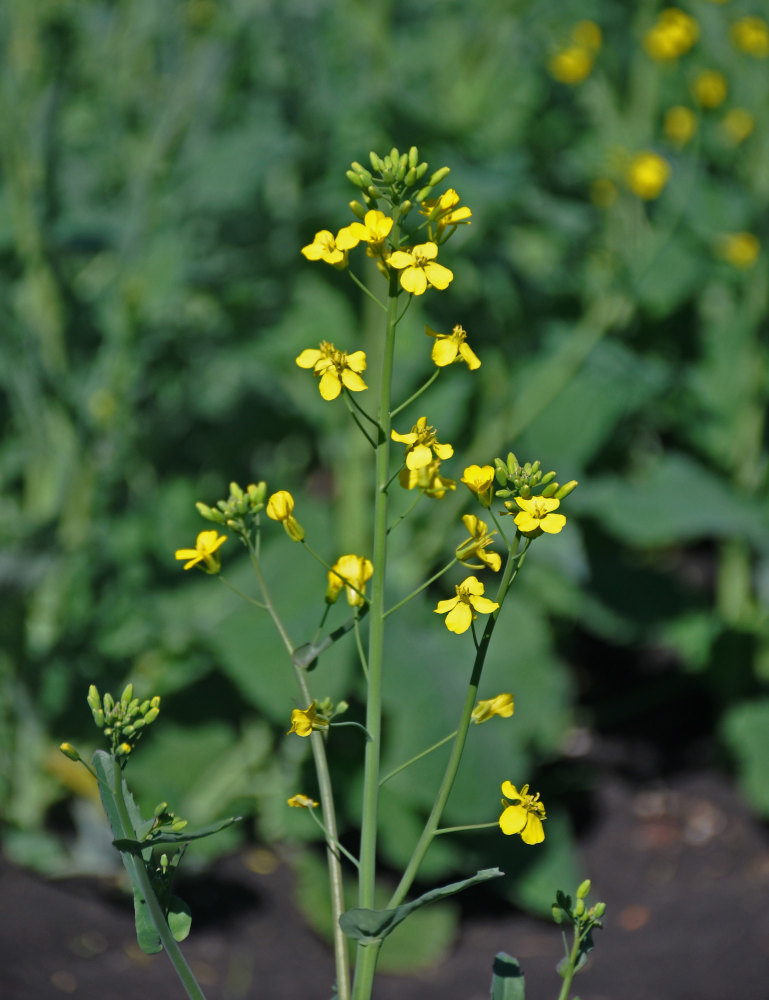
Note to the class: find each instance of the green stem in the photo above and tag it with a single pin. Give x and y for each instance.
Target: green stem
(419, 756)
(251, 600)
(467, 826)
(568, 974)
(422, 587)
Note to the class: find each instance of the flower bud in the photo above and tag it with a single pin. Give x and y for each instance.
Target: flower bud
(584, 889)
(160, 808)
(557, 914)
(406, 207)
(411, 177)
(579, 907)
(598, 910)
(151, 716)
(93, 699)
(155, 702)
(127, 695)
(357, 209)
(395, 156)
(550, 490)
(438, 176)
(236, 492)
(69, 751)
(124, 749)
(566, 489)
(355, 179)
(421, 170)
(376, 163)
(209, 513)
(422, 193)
(109, 702)
(413, 156)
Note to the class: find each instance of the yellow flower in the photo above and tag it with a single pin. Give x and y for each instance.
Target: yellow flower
(522, 814)
(738, 249)
(450, 347)
(419, 268)
(303, 721)
(674, 34)
(205, 552)
(480, 480)
(503, 705)
(462, 608)
(570, 65)
(587, 34)
(355, 571)
(428, 479)
(647, 174)
(324, 247)
(537, 515)
(680, 124)
(444, 211)
(751, 35)
(280, 507)
(374, 230)
(738, 123)
(422, 444)
(709, 88)
(475, 546)
(334, 369)
(302, 802)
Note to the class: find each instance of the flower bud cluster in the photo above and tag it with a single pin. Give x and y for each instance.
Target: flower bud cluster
(123, 721)
(396, 179)
(238, 511)
(165, 822)
(576, 912)
(523, 480)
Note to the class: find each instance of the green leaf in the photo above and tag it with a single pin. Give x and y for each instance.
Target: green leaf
(369, 926)
(179, 918)
(507, 980)
(746, 731)
(183, 837)
(146, 934)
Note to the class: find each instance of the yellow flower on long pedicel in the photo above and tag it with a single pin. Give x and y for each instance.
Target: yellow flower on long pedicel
(280, 507)
(479, 479)
(444, 211)
(462, 608)
(503, 705)
(205, 552)
(571, 65)
(647, 174)
(751, 35)
(739, 249)
(450, 347)
(304, 720)
(302, 802)
(680, 124)
(537, 515)
(356, 570)
(737, 124)
(324, 247)
(422, 444)
(419, 268)
(475, 546)
(334, 368)
(374, 230)
(709, 88)
(428, 479)
(522, 814)
(674, 34)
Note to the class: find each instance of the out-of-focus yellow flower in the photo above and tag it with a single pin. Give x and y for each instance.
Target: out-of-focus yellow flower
(680, 124)
(205, 553)
(537, 515)
(355, 570)
(571, 65)
(603, 192)
(450, 347)
(428, 479)
(280, 507)
(324, 247)
(334, 369)
(522, 814)
(475, 546)
(462, 608)
(739, 249)
(302, 801)
(374, 230)
(587, 34)
(304, 720)
(503, 705)
(479, 479)
(751, 35)
(673, 35)
(737, 124)
(419, 268)
(446, 211)
(647, 174)
(422, 445)
(709, 88)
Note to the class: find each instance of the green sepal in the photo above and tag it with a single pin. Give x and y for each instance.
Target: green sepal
(370, 926)
(137, 846)
(507, 980)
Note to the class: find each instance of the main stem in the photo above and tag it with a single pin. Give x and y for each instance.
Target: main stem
(366, 956)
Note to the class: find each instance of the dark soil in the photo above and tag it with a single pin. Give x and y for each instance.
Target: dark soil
(683, 866)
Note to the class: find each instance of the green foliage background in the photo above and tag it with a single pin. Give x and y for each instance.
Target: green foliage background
(162, 164)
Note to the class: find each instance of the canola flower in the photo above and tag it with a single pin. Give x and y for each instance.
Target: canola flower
(422, 445)
(537, 515)
(205, 554)
(374, 230)
(502, 705)
(680, 124)
(334, 368)
(280, 507)
(737, 124)
(523, 814)
(446, 211)
(574, 63)
(741, 250)
(709, 88)
(479, 479)
(475, 546)
(419, 268)
(462, 609)
(751, 36)
(304, 720)
(647, 174)
(351, 572)
(451, 347)
(428, 479)
(300, 801)
(674, 33)
(324, 247)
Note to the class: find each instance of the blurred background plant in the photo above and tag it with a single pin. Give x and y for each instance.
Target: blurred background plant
(162, 165)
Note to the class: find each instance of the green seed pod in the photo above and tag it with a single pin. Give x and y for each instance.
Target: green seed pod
(413, 156)
(566, 489)
(69, 751)
(438, 176)
(584, 889)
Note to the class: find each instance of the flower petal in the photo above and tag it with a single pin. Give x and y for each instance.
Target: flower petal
(309, 357)
(533, 832)
(413, 280)
(329, 384)
(513, 819)
(444, 352)
(459, 618)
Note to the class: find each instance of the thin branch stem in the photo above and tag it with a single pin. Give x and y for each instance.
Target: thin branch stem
(422, 587)
(366, 291)
(419, 756)
(417, 394)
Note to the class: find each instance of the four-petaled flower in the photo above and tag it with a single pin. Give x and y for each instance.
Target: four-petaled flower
(374, 230)
(503, 705)
(428, 479)
(475, 546)
(334, 368)
(537, 515)
(304, 720)
(422, 445)
(523, 814)
(205, 552)
(350, 572)
(479, 479)
(280, 507)
(419, 268)
(450, 347)
(444, 211)
(462, 608)
(324, 247)
(300, 801)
